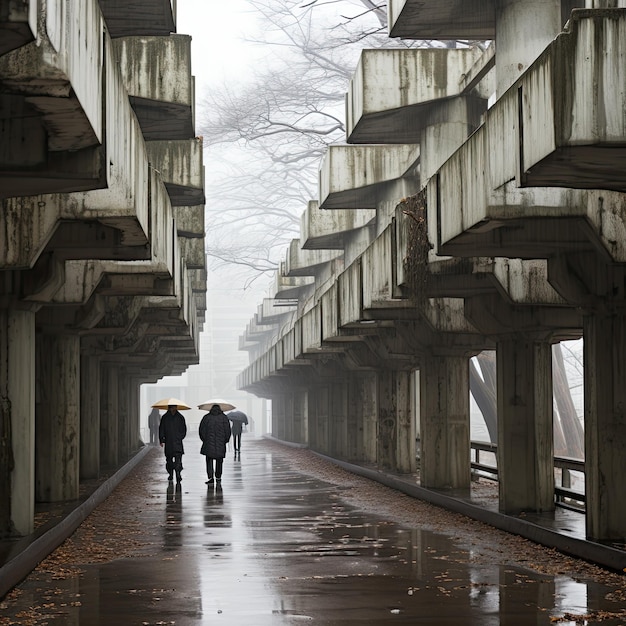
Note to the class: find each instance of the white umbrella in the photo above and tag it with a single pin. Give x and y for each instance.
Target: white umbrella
(225, 406)
(166, 402)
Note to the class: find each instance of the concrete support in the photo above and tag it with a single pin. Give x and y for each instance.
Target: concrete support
(57, 419)
(396, 426)
(108, 415)
(133, 415)
(605, 425)
(300, 416)
(319, 419)
(525, 435)
(17, 421)
(523, 30)
(123, 426)
(338, 413)
(445, 423)
(362, 418)
(89, 417)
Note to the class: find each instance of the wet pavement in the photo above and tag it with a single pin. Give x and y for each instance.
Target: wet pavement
(278, 545)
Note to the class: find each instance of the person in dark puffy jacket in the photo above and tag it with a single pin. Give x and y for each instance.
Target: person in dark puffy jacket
(215, 433)
(172, 431)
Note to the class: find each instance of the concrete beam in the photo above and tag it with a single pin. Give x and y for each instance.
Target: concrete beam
(354, 177)
(445, 19)
(139, 17)
(301, 262)
(394, 93)
(291, 287)
(328, 230)
(157, 76)
(181, 168)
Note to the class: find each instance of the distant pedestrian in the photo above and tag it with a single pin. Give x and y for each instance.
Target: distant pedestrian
(153, 424)
(215, 433)
(172, 431)
(238, 419)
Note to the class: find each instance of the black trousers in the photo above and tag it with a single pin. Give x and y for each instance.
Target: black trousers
(219, 464)
(174, 463)
(237, 441)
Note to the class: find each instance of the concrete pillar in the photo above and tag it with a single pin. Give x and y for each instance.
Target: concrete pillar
(57, 418)
(319, 418)
(524, 28)
(396, 426)
(525, 435)
(109, 379)
(123, 426)
(445, 423)
(89, 417)
(338, 419)
(300, 416)
(605, 425)
(17, 421)
(362, 417)
(133, 414)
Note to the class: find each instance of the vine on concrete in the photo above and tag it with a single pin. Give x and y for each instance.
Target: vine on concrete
(416, 259)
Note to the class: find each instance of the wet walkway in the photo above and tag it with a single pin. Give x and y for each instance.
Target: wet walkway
(276, 545)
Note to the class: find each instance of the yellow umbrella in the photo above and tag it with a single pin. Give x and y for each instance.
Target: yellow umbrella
(166, 402)
(225, 406)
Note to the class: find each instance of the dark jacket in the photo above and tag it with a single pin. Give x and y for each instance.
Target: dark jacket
(154, 419)
(238, 419)
(215, 433)
(172, 431)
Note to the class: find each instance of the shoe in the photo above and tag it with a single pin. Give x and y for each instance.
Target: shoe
(170, 477)
(179, 479)
(209, 482)
(218, 480)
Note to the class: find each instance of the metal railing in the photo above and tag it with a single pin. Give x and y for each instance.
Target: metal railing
(564, 495)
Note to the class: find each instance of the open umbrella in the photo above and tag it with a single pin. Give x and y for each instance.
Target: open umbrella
(163, 404)
(225, 406)
(237, 416)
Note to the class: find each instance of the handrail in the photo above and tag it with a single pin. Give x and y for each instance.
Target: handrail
(564, 496)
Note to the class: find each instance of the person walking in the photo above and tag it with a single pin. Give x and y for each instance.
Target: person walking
(153, 424)
(172, 431)
(237, 419)
(215, 433)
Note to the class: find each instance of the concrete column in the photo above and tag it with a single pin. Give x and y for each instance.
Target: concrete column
(17, 421)
(396, 426)
(338, 419)
(525, 435)
(300, 416)
(123, 426)
(133, 414)
(109, 455)
(445, 423)
(89, 417)
(524, 28)
(288, 429)
(605, 425)
(319, 418)
(57, 418)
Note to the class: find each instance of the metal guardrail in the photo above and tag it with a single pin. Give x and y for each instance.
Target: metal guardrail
(564, 495)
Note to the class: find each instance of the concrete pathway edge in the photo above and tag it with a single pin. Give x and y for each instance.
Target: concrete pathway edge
(20, 566)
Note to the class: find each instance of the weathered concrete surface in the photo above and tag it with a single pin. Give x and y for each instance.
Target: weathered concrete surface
(353, 177)
(393, 92)
(139, 17)
(289, 538)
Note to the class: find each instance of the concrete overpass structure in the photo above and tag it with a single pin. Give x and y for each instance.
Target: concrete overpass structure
(103, 279)
(478, 204)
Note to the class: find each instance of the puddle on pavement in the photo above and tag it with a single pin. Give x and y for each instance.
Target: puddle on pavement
(285, 549)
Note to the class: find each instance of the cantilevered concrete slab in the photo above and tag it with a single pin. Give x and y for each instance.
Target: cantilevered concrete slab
(394, 94)
(157, 75)
(329, 230)
(301, 262)
(18, 25)
(442, 19)
(54, 96)
(139, 17)
(291, 287)
(271, 312)
(181, 167)
(353, 177)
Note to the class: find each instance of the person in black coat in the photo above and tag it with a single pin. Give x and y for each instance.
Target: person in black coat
(215, 433)
(172, 431)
